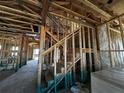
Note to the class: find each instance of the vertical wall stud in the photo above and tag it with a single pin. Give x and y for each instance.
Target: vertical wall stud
(73, 47)
(65, 61)
(81, 54)
(109, 41)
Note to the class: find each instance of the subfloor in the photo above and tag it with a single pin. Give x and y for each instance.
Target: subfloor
(23, 81)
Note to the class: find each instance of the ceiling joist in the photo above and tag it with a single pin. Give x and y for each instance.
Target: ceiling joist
(95, 8)
(20, 16)
(14, 26)
(18, 21)
(19, 11)
(73, 12)
(16, 30)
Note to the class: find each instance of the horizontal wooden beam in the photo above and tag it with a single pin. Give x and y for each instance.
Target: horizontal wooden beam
(95, 8)
(71, 19)
(111, 50)
(16, 30)
(73, 12)
(20, 16)
(115, 30)
(19, 11)
(18, 21)
(30, 10)
(116, 17)
(62, 2)
(33, 2)
(15, 26)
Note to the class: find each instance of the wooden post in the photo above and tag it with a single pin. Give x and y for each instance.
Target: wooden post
(42, 45)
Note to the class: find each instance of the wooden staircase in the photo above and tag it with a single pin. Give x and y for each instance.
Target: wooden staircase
(62, 68)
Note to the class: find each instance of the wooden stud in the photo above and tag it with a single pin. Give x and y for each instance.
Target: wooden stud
(65, 61)
(84, 53)
(73, 50)
(18, 11)
(81, 54)
(20, 16)
(109, 42)
(55, 74)
(18, 21)
(97, 63)
(89, 46)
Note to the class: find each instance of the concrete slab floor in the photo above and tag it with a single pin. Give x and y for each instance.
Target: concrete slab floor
(23, 81)
(5, 74)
